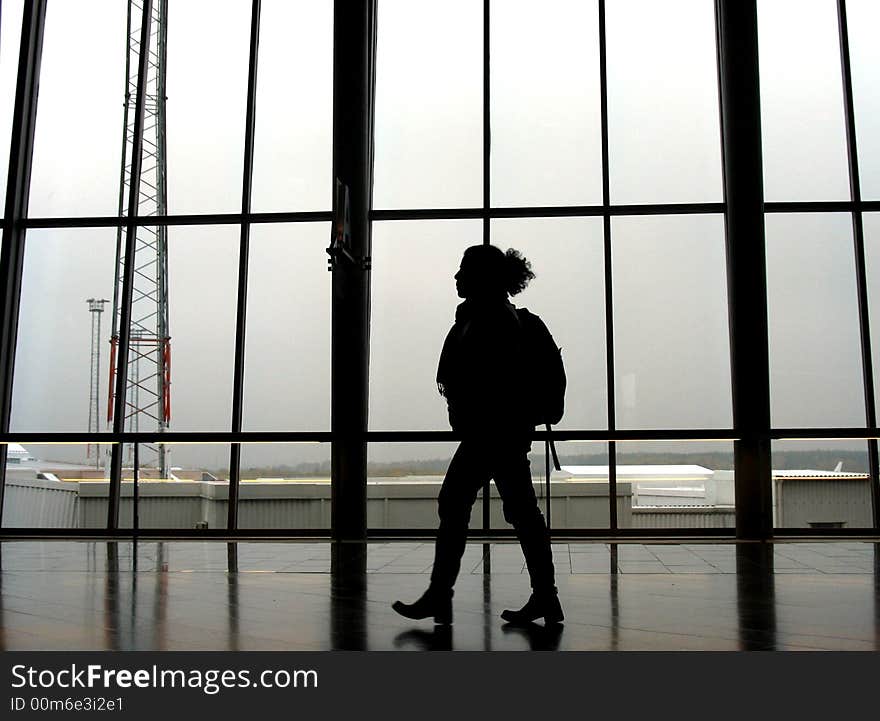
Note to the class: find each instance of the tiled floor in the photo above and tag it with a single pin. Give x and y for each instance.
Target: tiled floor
(283, 595)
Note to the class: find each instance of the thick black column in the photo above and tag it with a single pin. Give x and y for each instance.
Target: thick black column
(17, 191)
(353, 81)
(737, 27)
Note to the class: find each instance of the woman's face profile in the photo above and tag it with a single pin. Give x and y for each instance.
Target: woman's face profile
(464, 279)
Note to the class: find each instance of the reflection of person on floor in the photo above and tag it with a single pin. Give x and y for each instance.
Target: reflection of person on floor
(481, 374)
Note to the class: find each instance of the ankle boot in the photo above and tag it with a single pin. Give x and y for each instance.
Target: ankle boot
(432, 603)
(540, 605)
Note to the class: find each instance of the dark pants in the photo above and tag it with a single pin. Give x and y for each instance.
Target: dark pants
(474, 463)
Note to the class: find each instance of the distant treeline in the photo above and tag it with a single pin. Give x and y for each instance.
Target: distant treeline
(825, 460)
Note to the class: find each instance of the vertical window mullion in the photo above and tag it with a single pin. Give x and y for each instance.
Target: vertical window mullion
(609, 307)
(17, 192)
(244, 253)
(859, 250)
(487, 202)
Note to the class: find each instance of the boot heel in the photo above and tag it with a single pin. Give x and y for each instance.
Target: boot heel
(443, 613)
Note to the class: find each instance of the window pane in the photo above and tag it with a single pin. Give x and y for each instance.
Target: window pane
(429, 101)
(872, 270)
(293, 153)
(546, 137)
(287, 351)
(663, 131)
(54, 486)
(676, 485)
(804, 140)
(671, 342)
(413, 307)
(568, 292)
(207, 93)
(405, 480)
(77, 143)
(579, 494)
(10, 41)
(820, 484)
(203, 292)
(62, 268)
(815, 363)
(403, 484)
(285, 485)
(863, 17)
(194, 494)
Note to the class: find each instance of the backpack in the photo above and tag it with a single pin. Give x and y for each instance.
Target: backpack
(546, 381)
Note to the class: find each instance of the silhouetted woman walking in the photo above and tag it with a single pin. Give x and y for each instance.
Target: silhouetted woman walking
(483, 376)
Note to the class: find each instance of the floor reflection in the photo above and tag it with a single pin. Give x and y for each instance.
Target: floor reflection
(538, 637)
(756, 596)
(487, 597)
(171, 595)
(437, 639)
(232, 597)
(348, 596)
(111, 597)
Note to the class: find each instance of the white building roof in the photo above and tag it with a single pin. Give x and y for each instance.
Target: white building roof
(14, 450)
(644, 473)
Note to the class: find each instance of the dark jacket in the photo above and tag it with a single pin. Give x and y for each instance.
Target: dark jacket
(482, 369)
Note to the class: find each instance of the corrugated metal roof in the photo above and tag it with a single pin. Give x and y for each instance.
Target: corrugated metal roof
(811, 473)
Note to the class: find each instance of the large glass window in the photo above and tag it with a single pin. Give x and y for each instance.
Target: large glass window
(429, 147)
(804, 136)
(822, 484)
(413, 306)
(672, 359)
(293, 152)
(466, 152)
(207, 90)
(568, 292)
(815, 361)
(872, 275)
(676, 485)
(546, 139)
(10, 41)
(63, 268)
(287, 348)
(862, 17)
(78, 139)
(664, 139)
(203, 277)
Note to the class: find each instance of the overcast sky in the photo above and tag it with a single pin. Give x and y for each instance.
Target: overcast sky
(670, 309)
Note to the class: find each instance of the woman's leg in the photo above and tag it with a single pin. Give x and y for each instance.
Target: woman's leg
(514, 481)
(465, 476)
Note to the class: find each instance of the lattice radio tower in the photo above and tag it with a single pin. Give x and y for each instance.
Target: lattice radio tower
(148, 401)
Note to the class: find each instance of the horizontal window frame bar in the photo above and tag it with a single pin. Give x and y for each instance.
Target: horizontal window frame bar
(547, 211)
(113, 221)
(821, 206)
(562, 211)
(621, 535)
(706, 435)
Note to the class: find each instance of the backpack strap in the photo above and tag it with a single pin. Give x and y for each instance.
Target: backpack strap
(549, 451)
(553, 449)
